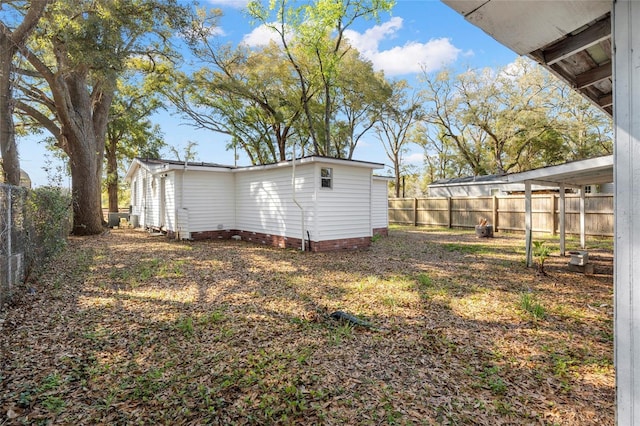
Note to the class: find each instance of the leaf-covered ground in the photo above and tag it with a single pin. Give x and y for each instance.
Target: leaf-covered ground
(128, 328)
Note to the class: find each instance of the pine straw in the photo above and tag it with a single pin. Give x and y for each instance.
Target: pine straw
(129, 328)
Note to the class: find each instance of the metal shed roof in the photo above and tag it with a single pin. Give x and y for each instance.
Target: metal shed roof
(597, 170)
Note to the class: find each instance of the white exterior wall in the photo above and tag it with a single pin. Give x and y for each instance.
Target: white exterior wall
(264, 200)
(380, 204)
(136, 196)
(144, 205)
(209, 198)
(626, 68)
(344, 211)
(260, 200)
(153, 201)
(170, 202)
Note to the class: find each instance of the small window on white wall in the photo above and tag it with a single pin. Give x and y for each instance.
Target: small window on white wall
(326, 177)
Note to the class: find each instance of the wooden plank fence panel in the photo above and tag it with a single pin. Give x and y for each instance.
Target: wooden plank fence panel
(433, 212)
(506, 212)
(467, 211)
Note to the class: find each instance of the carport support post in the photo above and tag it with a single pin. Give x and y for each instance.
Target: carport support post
(528, 221)
(583, 242)
(561, 213)
(626, 75)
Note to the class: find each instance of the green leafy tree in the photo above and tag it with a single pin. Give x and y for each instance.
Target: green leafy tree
(312, 36)
(443, 113)
(399, 115)
(81, 49)
(130, 134)
(17, 22)
(246, 94)
(189, 152)
(440, 158)
(512, 119)
(359, 97)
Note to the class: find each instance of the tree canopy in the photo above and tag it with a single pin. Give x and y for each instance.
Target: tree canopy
(516, 118)
(80, 49)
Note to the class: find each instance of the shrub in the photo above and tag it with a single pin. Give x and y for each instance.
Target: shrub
(48, 217)
(541, 252)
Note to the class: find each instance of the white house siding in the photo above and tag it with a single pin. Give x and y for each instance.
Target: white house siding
(264, 200)
(209, 198)
(379, 204)
(170, 202)
(344, 211)
(144, 205)
(136, 196)
(153, 202)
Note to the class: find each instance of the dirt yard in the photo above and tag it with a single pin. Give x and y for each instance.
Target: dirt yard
(128, 328)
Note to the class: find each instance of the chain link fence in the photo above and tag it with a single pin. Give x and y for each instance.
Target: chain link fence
(31, 230)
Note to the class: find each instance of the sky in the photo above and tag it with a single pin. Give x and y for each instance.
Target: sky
(416, 35)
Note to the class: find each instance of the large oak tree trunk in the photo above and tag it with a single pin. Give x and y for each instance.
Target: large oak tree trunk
(84, 130)
(86, 171)
(10, 161)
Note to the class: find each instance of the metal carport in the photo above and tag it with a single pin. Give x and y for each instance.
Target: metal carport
(576, 174)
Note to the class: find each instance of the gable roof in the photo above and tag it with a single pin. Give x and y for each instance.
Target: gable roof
(571, 38)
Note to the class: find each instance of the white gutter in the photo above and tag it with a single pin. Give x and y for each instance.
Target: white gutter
(293, 185)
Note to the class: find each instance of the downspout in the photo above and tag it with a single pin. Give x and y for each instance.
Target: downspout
(180, 212)
(293, 185)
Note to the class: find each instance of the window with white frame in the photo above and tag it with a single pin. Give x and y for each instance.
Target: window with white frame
(326, 177)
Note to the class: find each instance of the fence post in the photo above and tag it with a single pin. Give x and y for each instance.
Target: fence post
(449, 208)
(494, 208)
(415, 212)
(9, 232)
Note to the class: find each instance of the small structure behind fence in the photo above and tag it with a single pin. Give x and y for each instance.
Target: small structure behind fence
(506, 213)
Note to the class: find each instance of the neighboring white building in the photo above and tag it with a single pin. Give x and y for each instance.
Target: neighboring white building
(334, 203)
(488, 185)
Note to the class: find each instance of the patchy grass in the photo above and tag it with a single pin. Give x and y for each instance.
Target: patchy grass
(129, 329)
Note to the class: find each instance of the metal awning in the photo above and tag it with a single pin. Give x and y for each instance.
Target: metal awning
(575, 174)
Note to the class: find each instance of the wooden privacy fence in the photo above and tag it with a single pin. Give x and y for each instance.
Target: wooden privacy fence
(506, 213)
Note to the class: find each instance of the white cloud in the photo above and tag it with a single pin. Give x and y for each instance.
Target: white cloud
(260, 36)
(414, 158)
(410, 58)
(368, 41)
(236, 4)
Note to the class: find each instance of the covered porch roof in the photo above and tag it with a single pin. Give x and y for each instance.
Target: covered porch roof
(574, 174)
(571, 38)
